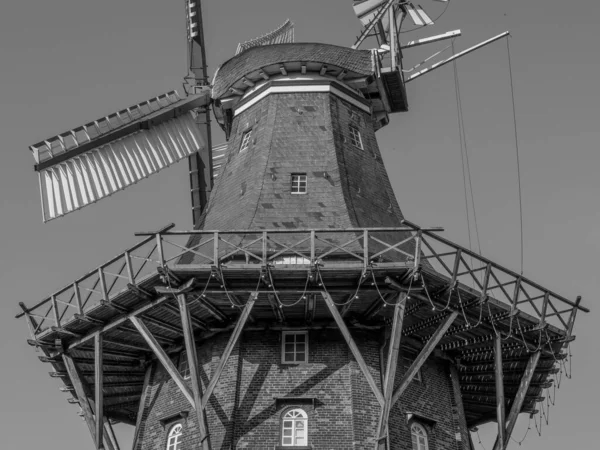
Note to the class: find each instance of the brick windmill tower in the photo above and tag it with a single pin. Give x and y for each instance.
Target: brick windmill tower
(302, 311)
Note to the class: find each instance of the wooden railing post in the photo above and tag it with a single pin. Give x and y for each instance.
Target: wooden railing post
(264, 248)
(159, 246)
(313, 239)
(78, 297)
(216, 248)
(102, 283)
(130, 274)
(55, 310)
(366, 248)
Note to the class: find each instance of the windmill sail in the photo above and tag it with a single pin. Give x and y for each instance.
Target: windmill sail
(282, 35)
(93, 161)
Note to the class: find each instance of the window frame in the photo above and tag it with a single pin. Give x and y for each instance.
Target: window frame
(356, 137)
(299, 175)
(177, 442)
(303, 418)
(245, 142)
(283, 342)
(414, 437)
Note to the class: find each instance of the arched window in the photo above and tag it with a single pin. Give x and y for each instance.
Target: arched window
(175, 436)
(419, 437)
(294, 428)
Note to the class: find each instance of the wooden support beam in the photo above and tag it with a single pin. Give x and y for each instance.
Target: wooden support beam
(210, 308)
(423, 355)
(142, 406)
(163, 325)
(163, 358)
(198, 323)
(227, 352)
(518, 401)
(309, 308)
(127, 344)
(77, 382)
(190, 350)
(499, 378)
(390, 372)
(98, 390)
(82, 392)
(111, 434)
(353, 347)
(276, 308)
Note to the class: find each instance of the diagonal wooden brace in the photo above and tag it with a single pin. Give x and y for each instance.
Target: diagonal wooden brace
(82, 391)
(228, 349)
(518, 401)
(499, 376)
(423, 355)
(353, 347)
(190, 349)
(390, 372)
(163, 358)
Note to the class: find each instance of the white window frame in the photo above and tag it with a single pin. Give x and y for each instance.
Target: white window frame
(246, 140)
(174, 438)
(289, 422)
(183, 366)
(296, 184)
(418, 436)
(283, 342)
(355, 137)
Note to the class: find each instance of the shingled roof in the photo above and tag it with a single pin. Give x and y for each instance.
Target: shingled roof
(253, 59)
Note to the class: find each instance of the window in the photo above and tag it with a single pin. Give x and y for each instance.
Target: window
(294, 428)
(355, 138)
(299, 182)
(246, 140)
(295, 347)
(175, 436)
(419, 437)
(184, 366)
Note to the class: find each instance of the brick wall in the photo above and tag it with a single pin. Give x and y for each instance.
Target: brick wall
(244, 413)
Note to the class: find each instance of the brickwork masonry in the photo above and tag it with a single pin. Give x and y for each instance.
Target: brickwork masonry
(248, 403)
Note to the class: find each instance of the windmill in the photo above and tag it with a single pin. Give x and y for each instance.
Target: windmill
(269, 326)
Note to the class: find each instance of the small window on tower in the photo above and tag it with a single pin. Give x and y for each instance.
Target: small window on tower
(355, 138)
(299, 182)
(184, 366)
(175, 437)
(246, 140)
(295, 347)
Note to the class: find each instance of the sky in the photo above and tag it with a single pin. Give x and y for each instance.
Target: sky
(67, 62)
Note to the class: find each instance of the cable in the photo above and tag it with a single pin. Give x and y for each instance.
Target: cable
(464, 155)
(512, 91)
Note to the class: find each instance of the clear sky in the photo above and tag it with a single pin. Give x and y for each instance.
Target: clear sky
(66, 62)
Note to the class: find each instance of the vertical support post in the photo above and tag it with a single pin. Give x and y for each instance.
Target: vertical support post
(571, 322)
(55, 310)
(544, 308)
(78, 297)
(418, 239)
(519, 400)
(313, 239)
(264, 248)
(216, 248)
(102, 284)
(499, 376)
(159, 247)
(190, 349)
(516, 295)
(390, 372)
(130, 274)
(365, 249)
(99, 383)
(353, 347)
